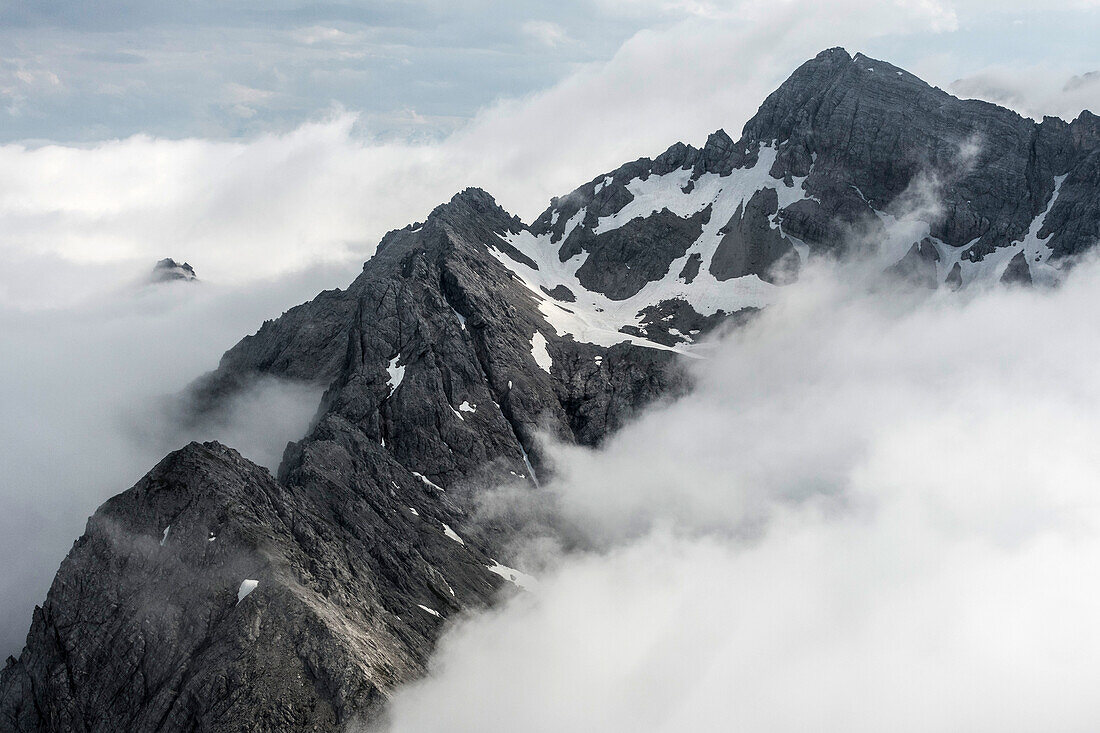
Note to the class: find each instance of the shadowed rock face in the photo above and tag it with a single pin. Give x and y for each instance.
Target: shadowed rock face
(1017, 272)
(864, 128)
(143, 629)
(623, 260)
(443, 360)
(751, 246)
(918, 266)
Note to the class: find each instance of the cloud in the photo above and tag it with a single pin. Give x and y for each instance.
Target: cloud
(83, 409)
(1033, 91)
(544, 32)
(876, 511)
(241, 211)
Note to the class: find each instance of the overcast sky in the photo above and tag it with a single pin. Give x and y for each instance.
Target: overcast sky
(81, 71)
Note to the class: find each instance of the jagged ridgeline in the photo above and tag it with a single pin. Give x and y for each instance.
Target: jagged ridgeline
(212, 596)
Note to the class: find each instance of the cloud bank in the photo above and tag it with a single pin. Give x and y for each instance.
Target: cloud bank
(76, 220)
(875, 512)
(84, 395)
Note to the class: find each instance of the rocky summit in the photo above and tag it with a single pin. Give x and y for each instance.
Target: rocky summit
(168, 270)
(214, 596)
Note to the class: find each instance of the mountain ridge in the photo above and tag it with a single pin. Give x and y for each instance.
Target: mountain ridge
(464, 339)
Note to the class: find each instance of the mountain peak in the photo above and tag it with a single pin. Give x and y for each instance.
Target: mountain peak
(168, 270)
(836, 54)
(477, 202)
(474, 196)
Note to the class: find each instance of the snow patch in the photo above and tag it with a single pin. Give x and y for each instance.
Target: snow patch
(467, 407)
(593, 317)
(451, 534)
(432, 611)
(426, 480)
(397, 373)
(164, 537)
(991, 267)
(539, 351)
(247, 586)
(521, 579)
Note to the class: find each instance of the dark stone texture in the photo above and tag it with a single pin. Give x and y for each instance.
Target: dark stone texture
(623, 260)
(691, 267)
(871, 128)
(168, 270)
(1073, 224)
(674, 321)
(954, 277)
(143, 630)
(562, 293)
(1017, 272)
(751, 246)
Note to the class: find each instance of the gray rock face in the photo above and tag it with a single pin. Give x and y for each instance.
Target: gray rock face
(457, 344)
(858, 126)
(954, 277)
(691, 267)
(1017, 272)
(145, 627)
(1073, 225)
(561, 293)
(859, 139)
(751, 246)
(674, 321)
(918, 266)
(623, 260)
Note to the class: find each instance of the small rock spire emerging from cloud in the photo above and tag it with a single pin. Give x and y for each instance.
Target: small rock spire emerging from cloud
(168, 270)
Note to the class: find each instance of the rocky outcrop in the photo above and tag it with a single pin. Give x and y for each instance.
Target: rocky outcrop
(752, 246)
(1017, 272)
(168, 270)
(849, 141)
(623, 260)
(212, 597)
